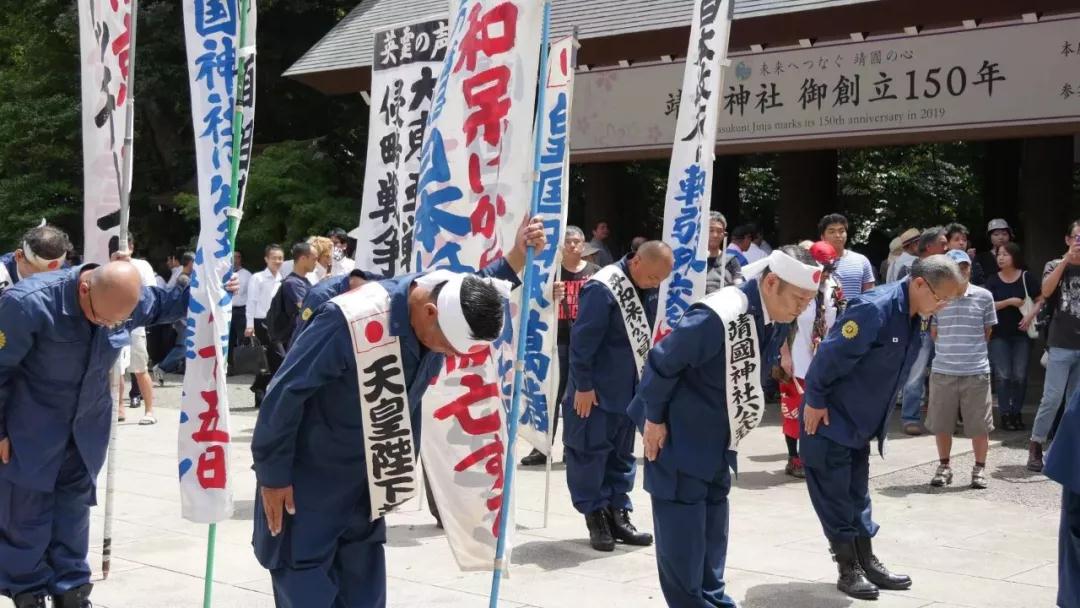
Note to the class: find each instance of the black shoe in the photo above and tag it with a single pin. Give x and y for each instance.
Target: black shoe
(1018, 422)
(624, 531)
(78, 597)
(600, 531)
(535, 458)
(852, 580)
(29, 600)
(259, 395)
(876, 571)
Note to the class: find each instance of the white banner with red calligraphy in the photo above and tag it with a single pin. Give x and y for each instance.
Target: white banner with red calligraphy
(474, 192)
(211, 31)
(105, 40)
(689, 190)
(406, 67)
(541, 362)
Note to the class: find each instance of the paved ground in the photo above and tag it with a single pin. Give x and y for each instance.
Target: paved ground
(963, 547)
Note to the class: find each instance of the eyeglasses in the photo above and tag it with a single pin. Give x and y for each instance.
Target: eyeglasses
(111, 325)
(937, 299)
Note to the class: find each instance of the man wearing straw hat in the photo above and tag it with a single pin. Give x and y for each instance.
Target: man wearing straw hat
(332, 459)
(60, 334)
(700, 394)
(44, 249)
(850, 393)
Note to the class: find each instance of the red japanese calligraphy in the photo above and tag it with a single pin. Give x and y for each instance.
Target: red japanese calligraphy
(486, 93)
(459, 408)
(211, 470)
(483, 37)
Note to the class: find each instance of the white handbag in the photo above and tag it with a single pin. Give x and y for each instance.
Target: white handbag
(1027, 307)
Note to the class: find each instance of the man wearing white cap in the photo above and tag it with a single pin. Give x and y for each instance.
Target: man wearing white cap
(331, 457)
(44, 249)
(700, 395)
(850, 393)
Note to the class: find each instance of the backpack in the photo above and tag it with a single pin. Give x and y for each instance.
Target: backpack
(279, 325)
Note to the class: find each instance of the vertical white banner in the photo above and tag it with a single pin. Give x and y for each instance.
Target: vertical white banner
(105, 42)
(205, 444)
(405, 71)
(689, 190)
(541, 363)
(475, 189)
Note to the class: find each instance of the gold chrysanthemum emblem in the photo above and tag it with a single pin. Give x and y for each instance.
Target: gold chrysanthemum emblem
(850, 330)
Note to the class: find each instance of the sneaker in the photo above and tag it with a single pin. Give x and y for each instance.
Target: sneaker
(943, 476)
(978, 478)
(158, 375)
(795, 468)
(913, 428)
(535, 458)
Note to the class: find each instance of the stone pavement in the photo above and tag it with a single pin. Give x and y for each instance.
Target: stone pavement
(963, 547)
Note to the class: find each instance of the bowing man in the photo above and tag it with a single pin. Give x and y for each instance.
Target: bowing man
(700, 395)
(330, 459)
(1063, 466)
(608, 344)
(850, 392)
(60, 334)
(44, 249)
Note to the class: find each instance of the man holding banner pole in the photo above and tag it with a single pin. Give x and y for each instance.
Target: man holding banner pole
(608, 345)
(332, 458)
(700, 395)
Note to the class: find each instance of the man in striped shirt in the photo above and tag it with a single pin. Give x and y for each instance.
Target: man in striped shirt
(853, 270)
(960, 375)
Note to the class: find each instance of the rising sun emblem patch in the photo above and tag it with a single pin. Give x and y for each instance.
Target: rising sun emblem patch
(850, 330)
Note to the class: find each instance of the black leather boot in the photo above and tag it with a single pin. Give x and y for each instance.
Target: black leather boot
(876, 571)
(624, 531)
(600, 531)
(29, 600)
(852, 579)
(78, 597)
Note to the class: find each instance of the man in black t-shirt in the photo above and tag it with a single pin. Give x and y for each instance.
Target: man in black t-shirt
(1061, 288)
(574, 272)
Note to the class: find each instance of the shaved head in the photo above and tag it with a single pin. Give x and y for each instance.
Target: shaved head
(652, 263)
(108, 294)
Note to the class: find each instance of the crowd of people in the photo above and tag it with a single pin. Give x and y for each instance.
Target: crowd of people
(937, 330)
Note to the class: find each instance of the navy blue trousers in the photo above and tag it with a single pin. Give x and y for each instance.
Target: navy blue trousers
(324, 558)
(690, 520)
(45, 536)
(1069, 551)
(600, 464)
(838, 479)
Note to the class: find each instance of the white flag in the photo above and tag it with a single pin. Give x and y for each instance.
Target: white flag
(205, 445)
(689, 190)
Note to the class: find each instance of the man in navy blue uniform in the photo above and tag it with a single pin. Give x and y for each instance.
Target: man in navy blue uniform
(850, 390)
(329, 289)
(44, 249)
(687, 417)
(608, 343)
(314, 528)
(1063, 466)
(60, 333)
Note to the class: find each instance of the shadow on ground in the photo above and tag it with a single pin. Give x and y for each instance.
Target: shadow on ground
(796, 595)
(551, 555)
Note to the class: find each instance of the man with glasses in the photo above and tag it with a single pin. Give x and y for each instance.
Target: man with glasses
(60, 334)
(850, 391)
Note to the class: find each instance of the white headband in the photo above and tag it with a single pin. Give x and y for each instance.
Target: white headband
(787, 268)
(39, 262)
(452, 320)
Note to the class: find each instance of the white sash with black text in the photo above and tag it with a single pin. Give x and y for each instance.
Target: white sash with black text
(742, 354)
(5, 279)
(384, 398)
(632, 309)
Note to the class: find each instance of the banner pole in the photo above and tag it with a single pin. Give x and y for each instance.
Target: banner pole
(523, 320)
(125, 217)
(234, 224)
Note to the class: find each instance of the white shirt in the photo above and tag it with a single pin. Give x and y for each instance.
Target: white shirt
(261, 290)
(149, 279)
(241, 296)
(342, 267)
(172, 278)
(903, 262)
(802, 347)
(754, 253)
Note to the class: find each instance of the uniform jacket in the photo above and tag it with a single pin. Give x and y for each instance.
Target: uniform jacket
(683, 386)
(322, 293)
(860, 365)
(1063, 459)
(600, 354)
(54, 370)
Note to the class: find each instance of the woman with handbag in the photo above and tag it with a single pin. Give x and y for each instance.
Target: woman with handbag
(1018, 300)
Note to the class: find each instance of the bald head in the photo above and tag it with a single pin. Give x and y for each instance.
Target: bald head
(651, 264)
(108, 294)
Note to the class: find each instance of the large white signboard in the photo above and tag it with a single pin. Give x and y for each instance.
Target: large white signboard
(992, 76)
